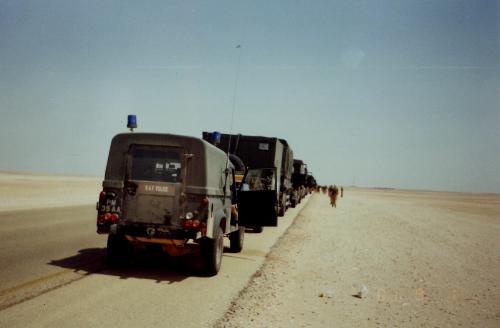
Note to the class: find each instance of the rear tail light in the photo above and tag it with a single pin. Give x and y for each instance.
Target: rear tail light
(190, 223)
(187, 223)
(203, 228)
(114, 217)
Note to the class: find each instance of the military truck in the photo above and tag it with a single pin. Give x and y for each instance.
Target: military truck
(299, 181)
(170, 191)
(270, 163)
(311, 183)
(286, 174)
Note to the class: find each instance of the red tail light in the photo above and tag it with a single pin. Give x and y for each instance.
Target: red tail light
(114, 217)
(190, 223)
(187, 223)
(203, 228)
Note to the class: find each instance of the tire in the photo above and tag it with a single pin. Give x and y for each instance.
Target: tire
(237, 162)
(257, 229)
(211, 253)
(236, 239)
(282, 206)
(281, 210)
(118, 250)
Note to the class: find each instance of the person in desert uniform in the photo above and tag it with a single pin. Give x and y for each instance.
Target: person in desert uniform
(333, 192)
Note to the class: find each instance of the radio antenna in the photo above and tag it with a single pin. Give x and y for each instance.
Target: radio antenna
(233, 109)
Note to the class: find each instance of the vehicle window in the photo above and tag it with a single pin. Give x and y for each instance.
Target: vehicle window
(155, 165)
(260, 179)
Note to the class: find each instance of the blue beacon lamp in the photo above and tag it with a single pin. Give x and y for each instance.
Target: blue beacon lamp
(215, 136)
(132, 122)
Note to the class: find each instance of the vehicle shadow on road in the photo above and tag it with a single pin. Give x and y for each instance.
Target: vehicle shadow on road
(147, 265)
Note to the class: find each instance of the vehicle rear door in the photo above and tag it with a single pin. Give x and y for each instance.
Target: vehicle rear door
(257, 202)
(153, 185)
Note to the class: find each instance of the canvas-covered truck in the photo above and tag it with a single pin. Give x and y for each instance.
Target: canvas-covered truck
(270, 163)
(311, 183)
(299, 181)
(169, 191)
(286, 174)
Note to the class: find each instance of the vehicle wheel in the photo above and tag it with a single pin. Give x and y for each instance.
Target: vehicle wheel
(236, 239)
(281, 210)
(282, 206)
(257, 229)
(237, 162)
(211, 253)
(118, 250)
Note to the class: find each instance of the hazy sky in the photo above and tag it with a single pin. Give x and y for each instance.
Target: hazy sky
(397, 93)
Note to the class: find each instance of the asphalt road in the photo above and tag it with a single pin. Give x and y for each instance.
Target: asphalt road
(53, 274)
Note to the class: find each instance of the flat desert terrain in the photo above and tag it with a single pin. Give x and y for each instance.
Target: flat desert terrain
(381, 258)
(32, 191)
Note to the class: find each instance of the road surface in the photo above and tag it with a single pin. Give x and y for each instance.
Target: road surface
(54, 275)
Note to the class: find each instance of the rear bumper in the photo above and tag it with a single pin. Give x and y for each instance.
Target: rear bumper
(149, 232)
(155, 231)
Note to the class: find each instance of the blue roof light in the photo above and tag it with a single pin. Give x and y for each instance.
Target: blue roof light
(132, 122)
(215, 137)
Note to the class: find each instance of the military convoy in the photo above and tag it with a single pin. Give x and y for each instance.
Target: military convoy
(269, 163)
(299, 181)
(181, 194)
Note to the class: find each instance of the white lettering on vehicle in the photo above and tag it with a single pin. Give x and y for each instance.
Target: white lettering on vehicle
(110, 206)
(153, 188)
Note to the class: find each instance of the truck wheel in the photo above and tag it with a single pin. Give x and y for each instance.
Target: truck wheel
(282, 206)
(257, 229)
(237, 162)
(236, 239)
(281, 210)
(118, 250)
(211, 253)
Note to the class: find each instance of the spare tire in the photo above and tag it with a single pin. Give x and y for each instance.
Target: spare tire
(237, 162)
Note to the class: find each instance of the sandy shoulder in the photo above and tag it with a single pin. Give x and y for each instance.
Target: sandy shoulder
(426, 259)
(34, 191)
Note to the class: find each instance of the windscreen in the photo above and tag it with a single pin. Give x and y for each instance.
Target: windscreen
(155, 164)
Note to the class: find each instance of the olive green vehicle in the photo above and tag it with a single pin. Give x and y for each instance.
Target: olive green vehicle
(173, 191)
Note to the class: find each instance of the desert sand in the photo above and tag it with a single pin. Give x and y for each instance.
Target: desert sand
(382, 258)
(20, 191)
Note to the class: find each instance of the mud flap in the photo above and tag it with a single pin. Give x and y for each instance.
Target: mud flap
(257, 208)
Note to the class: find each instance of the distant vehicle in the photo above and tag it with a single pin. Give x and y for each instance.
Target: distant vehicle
(170, 191)
(286, 173)
(270, 165)
(311, 183)
(299, 181)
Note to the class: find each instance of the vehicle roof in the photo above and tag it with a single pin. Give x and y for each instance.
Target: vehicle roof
(206, 136)
(206, 157)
